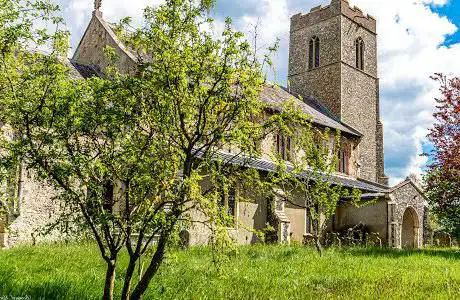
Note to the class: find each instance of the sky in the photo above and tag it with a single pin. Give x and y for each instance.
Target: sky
(416, 38)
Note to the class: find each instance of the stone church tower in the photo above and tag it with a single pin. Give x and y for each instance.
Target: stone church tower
(333, 57)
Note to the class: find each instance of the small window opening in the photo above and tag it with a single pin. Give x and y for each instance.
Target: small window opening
(359, 44)
(314, 53)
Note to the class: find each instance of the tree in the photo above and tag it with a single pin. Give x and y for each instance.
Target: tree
(135, 156)
(442, 179)
(310, 177)
(128, 154)
(21, 38)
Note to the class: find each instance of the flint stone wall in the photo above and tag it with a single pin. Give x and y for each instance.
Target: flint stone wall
(35, 211)
(408, 196)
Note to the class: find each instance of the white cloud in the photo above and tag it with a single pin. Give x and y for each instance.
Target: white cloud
(272, 19)
(113, 9)
(410, 41)
(78, 12)
(410, 38)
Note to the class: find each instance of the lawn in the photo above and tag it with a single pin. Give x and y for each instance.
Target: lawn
(257, 272)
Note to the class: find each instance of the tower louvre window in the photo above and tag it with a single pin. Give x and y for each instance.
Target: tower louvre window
(359, 45)
(314, 53)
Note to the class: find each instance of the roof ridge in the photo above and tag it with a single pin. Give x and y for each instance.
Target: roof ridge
(407, 181)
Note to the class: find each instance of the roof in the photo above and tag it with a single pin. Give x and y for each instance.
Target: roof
(414, 183)
(269, 166)
(275, 96)
(80, 71)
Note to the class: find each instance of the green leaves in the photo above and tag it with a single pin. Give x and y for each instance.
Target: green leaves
(135, 156)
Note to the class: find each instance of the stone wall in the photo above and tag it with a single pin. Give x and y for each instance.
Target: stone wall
(350, 31)
(350, 93)
(374, 217)
(322, 82)
(268, 149)
(297, 217)
(36, 209)
(360, 93)
(358, 110)
(250, 216)
(380, 159)
(357, 15)
(328, 32)
(406, 196)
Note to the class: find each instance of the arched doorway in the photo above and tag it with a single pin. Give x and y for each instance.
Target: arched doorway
(410, 229)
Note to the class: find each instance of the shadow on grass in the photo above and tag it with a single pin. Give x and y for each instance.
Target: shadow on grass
(13, 287)
(396, 253)
(46, 290)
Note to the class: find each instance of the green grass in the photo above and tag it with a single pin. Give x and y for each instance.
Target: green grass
(257, 272)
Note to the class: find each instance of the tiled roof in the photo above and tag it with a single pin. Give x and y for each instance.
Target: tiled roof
(275, 96)
(268, 166)
(78, 71)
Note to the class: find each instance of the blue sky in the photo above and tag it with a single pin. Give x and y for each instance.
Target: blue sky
(451, 10)
(416, 38)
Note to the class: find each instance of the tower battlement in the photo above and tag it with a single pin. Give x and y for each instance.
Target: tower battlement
(336, 7)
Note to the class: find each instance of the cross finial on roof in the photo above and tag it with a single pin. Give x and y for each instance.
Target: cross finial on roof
(97, 4)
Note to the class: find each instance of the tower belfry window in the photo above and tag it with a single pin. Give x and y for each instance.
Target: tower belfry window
(359, 45)
(314, 53)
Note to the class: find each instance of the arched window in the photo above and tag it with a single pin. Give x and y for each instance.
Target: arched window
(284, 146)
(343, 161)
(359, 45)
(313, 53)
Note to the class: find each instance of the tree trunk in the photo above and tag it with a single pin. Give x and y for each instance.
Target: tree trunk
(109, 280)
(318, 245)
(317, 234)
(128, 278)
(151, 270)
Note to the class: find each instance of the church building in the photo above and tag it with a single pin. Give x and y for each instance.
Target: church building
(333, 76)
